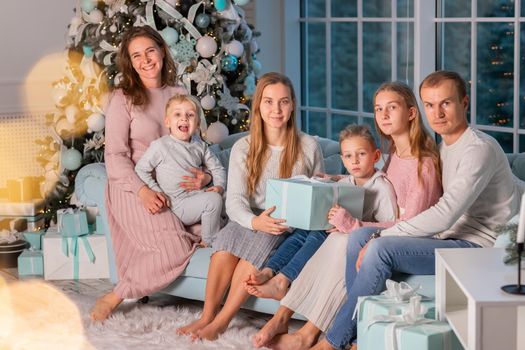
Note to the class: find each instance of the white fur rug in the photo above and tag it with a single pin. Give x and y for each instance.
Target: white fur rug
(152, 326)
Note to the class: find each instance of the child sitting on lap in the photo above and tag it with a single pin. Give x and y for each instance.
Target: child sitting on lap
(173, 157)
(359, 154)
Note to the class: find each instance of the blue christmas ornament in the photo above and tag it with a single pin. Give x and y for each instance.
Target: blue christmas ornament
(88, 51)
(202, 20)
(71, 159)
(221, 5)
(170, 35)
(87, 5)
(229, 63)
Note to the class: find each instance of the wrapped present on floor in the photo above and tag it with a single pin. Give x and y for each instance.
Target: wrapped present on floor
(31, 263)
(81, 257)
(34, 238)
(72, 222)
(304, 203)
(23, 189)
(33, 207)
(401, 321)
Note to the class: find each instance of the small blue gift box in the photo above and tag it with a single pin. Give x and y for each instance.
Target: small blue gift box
(31, 263)
(72, 222)
(387, 324)
(304, 203)
(34, 239)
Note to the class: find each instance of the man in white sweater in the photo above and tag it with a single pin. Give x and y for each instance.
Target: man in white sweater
(479, 193)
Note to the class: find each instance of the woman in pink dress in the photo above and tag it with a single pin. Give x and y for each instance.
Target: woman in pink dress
(151, 245)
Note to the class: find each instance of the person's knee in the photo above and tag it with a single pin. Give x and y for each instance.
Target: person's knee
(379, 249)
(214, 201)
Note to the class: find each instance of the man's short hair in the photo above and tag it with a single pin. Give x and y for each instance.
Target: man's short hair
(436, 78)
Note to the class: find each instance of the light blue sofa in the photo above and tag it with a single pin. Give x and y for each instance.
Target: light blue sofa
(89, 189)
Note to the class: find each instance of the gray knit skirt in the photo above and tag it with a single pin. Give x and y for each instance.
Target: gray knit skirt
(252, 246)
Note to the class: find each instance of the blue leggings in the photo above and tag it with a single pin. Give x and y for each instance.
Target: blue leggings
(291, 256)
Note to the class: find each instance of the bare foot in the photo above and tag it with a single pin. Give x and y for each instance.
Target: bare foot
(104, 306)
(275, 288)
(295, 341)
(324, 345)
(271, 329)
(211, 331)
(259, 277)
(193, 327)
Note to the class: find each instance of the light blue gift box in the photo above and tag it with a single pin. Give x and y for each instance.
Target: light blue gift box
(31, 263)
(72, 222)
(304, 204)
(426, 335)
(34, 239)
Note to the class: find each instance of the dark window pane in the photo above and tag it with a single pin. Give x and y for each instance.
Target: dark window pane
(344, 8)
(454, 50)
(405, 53)
(454, 8)
(522, 143)
(344, 66)
(313, 65)
(377, 60)
(313, 8)
(504, 139)
(314, 123)
(339, 122)
(405, 8)
(498, 8)
(377, 8)
(522, 79)
(495, 74)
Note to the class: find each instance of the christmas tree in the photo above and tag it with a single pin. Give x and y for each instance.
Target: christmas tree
(211, 42)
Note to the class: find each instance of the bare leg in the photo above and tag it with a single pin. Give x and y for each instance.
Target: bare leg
(304, 338)
(324, 345)
(274, 288)
(105, 306)
(236, 297)
(277, 325)
(222, 267)
(259, 277)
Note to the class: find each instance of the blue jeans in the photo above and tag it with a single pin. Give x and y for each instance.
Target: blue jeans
(291, 256)
(384, 255)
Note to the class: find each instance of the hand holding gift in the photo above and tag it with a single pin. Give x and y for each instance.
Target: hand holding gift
(265, 223)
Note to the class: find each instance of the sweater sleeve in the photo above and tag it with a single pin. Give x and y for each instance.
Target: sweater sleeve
(237, 202)
(471, 177)
(213, 164)
(148, 163)
(386, 205)
(117, 154)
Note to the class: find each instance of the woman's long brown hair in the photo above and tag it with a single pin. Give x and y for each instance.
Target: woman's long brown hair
(258, 150)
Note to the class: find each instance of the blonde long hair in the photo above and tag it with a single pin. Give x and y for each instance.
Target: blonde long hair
(421, 143)
(258, 150)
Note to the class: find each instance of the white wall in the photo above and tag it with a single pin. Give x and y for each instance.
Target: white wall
(29, 31)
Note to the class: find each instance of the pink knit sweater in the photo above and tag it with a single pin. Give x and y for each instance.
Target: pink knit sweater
(414, 193)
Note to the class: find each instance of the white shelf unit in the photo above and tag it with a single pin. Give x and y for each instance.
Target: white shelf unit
(469, 297)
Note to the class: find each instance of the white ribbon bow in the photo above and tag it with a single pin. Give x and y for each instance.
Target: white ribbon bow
(401, 291)
(413, 315)
(395, 291)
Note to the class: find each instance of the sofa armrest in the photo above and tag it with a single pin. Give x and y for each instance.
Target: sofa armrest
(90, 184)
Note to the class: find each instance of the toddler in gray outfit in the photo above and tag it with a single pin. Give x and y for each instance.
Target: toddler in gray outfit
(173, 157)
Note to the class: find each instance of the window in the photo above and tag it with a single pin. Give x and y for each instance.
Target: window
(349, 47)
